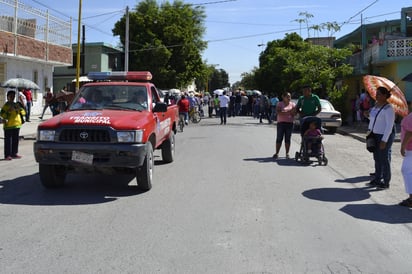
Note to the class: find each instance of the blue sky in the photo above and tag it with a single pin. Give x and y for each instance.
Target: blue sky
(235, 28)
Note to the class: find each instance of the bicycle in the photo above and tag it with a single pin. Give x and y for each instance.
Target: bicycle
(194, 115)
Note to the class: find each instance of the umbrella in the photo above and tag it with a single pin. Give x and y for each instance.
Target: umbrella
(397, 98)
(175, 91)
(20, 83)
(83, 79)
(218, 91)
(249, 92)
(257, 92)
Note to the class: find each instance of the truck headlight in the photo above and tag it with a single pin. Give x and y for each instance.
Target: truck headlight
(130, 136)
(46, 135)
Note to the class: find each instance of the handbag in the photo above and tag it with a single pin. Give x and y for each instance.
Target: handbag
(370, 142)
(370, 137)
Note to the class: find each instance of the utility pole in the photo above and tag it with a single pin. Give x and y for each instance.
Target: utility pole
(126, 42)
(78, 47)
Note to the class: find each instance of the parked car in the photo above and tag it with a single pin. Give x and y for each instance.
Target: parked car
(331, 118)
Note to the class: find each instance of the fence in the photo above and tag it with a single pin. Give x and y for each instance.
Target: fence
(24, 20)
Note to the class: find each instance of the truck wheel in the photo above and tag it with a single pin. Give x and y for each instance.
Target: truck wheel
(168, 149)
(144, 174)
(52, 176)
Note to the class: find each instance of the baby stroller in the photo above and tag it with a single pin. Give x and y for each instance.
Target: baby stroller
(313, 142)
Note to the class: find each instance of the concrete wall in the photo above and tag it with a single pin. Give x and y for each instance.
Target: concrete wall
(29, 70)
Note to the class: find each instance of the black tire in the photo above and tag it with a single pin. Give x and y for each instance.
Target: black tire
(196, 117)
(52, 176)
(168, 149)
(325, 161)
(144, 174)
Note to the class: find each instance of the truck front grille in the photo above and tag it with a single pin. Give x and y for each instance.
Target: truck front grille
(84, 136)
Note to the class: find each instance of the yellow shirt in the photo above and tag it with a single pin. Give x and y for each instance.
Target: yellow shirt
(11, 112)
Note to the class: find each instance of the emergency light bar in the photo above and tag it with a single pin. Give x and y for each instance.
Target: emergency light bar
(120, 75)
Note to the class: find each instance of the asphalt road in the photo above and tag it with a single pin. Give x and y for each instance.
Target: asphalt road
(223, 206)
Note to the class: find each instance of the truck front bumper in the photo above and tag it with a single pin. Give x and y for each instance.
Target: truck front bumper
(102, 155)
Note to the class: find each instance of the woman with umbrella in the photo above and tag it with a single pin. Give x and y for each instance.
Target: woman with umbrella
(381, 124)
(11, 113)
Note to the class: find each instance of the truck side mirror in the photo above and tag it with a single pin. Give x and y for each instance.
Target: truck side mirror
(160, 107)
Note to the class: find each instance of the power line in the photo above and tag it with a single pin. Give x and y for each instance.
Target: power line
(359, 12)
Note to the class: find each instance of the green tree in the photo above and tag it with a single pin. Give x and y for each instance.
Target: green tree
(218, 79)
(165, 39)
(289, 63)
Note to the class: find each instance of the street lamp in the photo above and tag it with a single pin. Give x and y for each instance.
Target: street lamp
(261, 45)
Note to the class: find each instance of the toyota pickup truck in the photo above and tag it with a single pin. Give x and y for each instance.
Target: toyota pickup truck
(112, 126)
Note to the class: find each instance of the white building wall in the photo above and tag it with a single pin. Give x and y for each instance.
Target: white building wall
(17, 67)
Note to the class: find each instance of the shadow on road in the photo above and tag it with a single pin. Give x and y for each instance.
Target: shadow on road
(78, 190)
(337, 194)
(353, 180)
(390, 214)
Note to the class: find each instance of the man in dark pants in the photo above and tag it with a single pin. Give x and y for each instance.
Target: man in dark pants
(308, 104)
(223, 103)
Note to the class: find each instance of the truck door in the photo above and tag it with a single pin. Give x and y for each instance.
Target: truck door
(162, 119)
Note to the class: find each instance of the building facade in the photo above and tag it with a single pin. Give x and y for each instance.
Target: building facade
(94, 57)
(32, 43)
(383, 49)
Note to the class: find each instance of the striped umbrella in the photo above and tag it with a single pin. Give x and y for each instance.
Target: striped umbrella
(397, 99)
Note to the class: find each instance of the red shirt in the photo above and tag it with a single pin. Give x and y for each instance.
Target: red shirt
(183, 105)
(27, 93)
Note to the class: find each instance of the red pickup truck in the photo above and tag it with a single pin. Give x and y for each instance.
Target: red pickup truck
(112, 126)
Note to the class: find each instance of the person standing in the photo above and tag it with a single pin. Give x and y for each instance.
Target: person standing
(308, 104)
(211, 105)
(264, 108)
(273, 102)
(238, 103)
(184, 106)
(29, 104)
(406, 152)
(223, 105)
(232, 111)
(11, 113)
(285, 110)
(48, 97)
(381, 123)
(22, 98)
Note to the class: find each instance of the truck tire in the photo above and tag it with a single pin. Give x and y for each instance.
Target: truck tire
(168, 149)
(144, 174)
(52, 176)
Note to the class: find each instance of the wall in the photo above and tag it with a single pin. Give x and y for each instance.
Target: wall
(28, 69)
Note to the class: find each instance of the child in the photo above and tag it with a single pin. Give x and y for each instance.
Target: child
(314, 135)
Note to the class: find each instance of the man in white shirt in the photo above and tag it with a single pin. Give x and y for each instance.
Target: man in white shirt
(223, 103)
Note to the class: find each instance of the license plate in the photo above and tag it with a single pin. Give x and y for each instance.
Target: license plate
(81, 157)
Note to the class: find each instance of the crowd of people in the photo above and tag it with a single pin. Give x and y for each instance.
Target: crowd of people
(379, 114)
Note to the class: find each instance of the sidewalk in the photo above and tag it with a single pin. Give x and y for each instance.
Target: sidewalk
(28, 130)
(359, 131)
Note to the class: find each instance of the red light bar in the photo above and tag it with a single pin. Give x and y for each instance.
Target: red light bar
(121, 75)
(139, 75)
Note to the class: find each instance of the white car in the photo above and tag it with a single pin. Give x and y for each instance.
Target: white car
(331, 118)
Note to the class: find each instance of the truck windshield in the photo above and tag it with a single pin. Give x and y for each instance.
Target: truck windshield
(111, 96)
